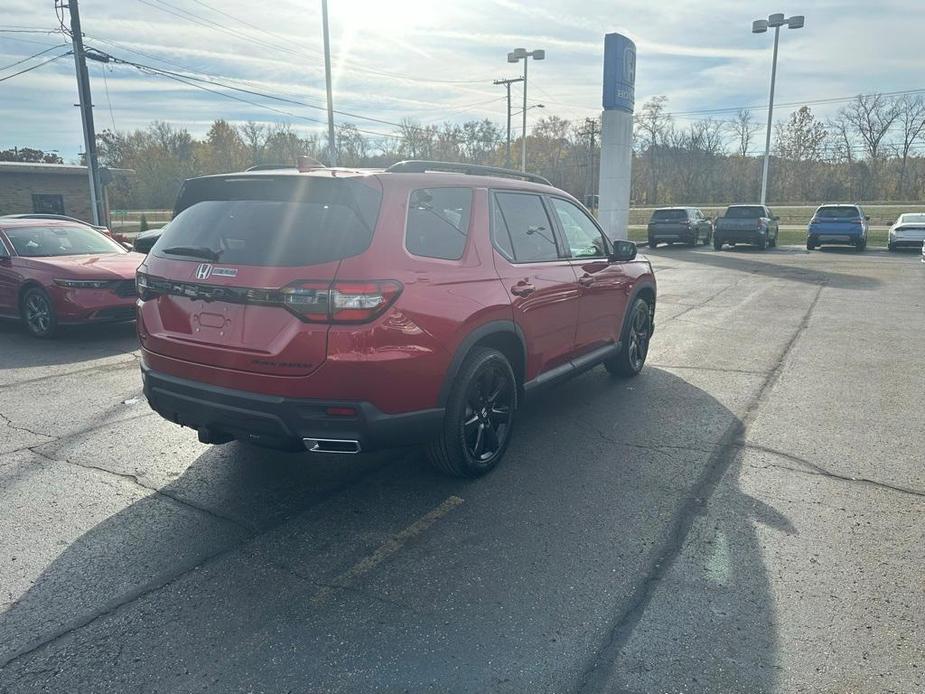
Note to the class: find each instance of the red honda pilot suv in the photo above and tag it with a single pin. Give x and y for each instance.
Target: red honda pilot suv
(340, 311)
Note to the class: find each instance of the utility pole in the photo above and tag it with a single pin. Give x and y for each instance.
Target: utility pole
(332, 143)
(591, 131)
(507, 85)
(86, 114)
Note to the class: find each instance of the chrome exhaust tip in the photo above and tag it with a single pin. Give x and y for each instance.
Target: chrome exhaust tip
(345, 446)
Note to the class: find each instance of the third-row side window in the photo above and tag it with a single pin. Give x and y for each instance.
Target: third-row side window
(438, 222)
(522, 230)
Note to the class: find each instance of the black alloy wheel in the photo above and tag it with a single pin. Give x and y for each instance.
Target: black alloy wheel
(635, 344)
(479, 416)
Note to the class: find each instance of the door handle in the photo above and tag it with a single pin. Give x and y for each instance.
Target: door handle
(522, 289)
(586, 280)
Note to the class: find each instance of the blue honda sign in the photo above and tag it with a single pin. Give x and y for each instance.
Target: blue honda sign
(619, 73)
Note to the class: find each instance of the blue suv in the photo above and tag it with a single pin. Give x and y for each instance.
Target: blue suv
(837, 224)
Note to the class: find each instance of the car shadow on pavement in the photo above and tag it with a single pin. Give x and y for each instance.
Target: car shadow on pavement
(74, 344)
(745, 259)
(613, 546)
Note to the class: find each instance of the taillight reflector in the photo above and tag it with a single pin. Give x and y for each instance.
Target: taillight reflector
(340, 302)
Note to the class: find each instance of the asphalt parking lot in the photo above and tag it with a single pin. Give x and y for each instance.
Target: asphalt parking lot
(746, 516)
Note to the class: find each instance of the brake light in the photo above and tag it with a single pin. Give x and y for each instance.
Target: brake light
(340, 302)
(357, 302)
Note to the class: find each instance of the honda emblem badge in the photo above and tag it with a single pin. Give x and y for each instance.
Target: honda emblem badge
(204, 271)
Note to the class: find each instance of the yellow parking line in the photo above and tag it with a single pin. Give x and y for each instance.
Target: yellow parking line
(387, 549)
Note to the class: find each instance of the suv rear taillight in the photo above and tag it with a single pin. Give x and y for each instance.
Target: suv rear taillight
(312, 301)
(339, 302)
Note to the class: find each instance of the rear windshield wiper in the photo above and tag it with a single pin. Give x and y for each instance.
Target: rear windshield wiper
(194, 251)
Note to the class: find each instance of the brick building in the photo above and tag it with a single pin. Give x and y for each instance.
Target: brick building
(52, 188)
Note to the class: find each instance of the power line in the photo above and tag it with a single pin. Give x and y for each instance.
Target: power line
(34, 55)
(34, 67)
(218, 26)
(210, 80)
(112, 116)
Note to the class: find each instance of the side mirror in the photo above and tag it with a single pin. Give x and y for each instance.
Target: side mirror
(623, 251)
(866, 219)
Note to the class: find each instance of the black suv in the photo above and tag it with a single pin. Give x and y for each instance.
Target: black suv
(682, 224)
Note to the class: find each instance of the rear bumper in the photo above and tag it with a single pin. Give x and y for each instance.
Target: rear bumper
(849, 235)
(274, 420)
(749, 236)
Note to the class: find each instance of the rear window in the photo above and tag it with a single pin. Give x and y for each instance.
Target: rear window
(838, 212)
(669, 215)
(273, 221)
(438, 222)
(747, 212)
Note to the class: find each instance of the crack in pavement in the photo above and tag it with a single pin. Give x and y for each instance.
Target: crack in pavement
(705, 301)
(163, 580)
(819, 471)
(134, 479)
(711, 368)
(598, 672)
(9, 423)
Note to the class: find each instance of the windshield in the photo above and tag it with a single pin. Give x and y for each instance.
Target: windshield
(838, 212)
(39, 241)
(669, 215)
(745, 212)
(267, 221)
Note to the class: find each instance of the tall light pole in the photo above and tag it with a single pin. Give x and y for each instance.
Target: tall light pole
(514, 56)
(760, 26)
(332, 143)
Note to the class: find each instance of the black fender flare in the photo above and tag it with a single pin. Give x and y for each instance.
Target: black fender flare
(631, 299)
(495, 327)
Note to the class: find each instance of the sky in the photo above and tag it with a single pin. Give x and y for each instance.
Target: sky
(434, 60)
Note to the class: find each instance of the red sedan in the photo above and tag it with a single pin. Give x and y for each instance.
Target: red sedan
(55, 273)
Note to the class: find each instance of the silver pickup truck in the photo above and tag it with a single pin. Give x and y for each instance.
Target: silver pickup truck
(752, 224)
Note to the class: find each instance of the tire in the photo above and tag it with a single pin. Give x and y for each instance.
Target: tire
(479, 416)
(717, 244)
(634, 347)
(694, 240)
(652, 242)
(38, 313)
(811, 244)
(772, 243)
(861, 244)
(762, 244)
(891, 247)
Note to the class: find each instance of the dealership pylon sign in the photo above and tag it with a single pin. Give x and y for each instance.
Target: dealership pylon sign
(617, 134)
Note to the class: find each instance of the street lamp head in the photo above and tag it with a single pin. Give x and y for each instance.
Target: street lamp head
(795, 22)
(519, 53)
(541, 105)
(759, 26)
(511, 58)
(539, 55)
(776, 20)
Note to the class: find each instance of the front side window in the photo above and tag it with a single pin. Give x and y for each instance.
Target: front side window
(522, 219)
(40, 242)
(438, 222)
(584, 238)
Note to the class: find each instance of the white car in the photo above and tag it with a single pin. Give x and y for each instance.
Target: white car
(908, 231)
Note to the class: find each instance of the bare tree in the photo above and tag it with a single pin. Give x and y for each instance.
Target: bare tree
(744, 128)
(872, 116)
(652, 124)
(911, 121)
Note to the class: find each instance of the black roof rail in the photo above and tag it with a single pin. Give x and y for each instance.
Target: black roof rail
(422, 166)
